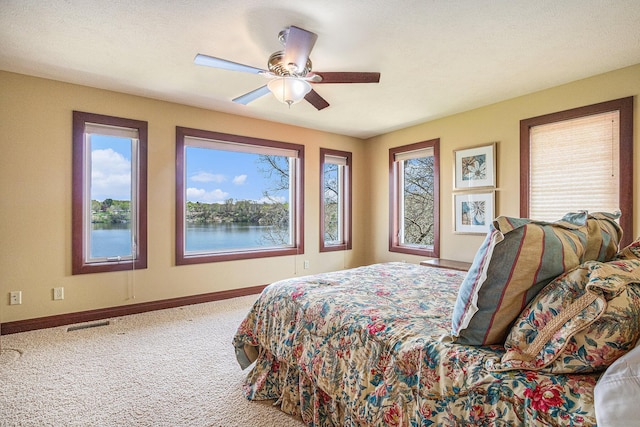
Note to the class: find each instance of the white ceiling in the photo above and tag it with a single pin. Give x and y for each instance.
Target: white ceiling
(436, 57)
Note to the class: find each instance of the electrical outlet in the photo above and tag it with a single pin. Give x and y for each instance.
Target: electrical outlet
(306, 264)
(58, 293)
(15, 297)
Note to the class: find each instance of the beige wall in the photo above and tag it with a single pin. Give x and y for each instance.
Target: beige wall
(500, 123)
(35, 189)
(35, 197)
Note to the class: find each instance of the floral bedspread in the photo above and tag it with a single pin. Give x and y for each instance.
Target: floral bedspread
(363, 347)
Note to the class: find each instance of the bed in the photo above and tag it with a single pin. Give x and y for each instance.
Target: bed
(374, 346)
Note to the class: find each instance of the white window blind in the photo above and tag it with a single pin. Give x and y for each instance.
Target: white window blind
(415, 154)
(117, 131)
(239, 147)
(574, 165)
(335, 160)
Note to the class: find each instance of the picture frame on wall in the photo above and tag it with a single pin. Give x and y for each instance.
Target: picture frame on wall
(475, 167)
(473, 212)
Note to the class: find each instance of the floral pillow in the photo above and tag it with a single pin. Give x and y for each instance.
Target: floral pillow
(630, 252)
(581, 322)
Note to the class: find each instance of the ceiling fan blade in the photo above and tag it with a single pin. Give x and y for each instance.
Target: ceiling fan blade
(298, 46)
(348, 77)
(252, 96)
(316, 100)
(211, 61)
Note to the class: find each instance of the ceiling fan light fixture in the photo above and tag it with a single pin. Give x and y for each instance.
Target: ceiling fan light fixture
(289, 90)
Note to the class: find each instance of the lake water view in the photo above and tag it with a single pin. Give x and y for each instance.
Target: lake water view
(114, 240)
(110, 240)
(203, 237)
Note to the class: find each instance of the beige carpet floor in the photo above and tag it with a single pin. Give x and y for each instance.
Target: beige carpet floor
(171, 367)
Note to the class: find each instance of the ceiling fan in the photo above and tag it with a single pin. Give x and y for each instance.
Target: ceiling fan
(289, 71)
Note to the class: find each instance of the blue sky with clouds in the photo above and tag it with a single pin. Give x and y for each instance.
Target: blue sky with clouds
(212, 176)
(110, 168)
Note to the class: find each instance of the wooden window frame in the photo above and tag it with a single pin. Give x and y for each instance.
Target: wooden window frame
(625, 108)
(394, 194)
(139, 261)
(346, 195)
(181, 257)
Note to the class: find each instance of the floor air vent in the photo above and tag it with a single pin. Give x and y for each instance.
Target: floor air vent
(87, 326)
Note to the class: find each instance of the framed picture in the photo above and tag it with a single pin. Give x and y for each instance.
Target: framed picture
(473, 212)
(475, 167)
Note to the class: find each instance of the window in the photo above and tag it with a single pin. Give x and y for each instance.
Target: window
(109, 194)
(335, 200)
(236, 197)
(579, 159)
(415, 199)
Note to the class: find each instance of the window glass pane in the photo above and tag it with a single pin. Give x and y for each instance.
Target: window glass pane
(332, 203)
(417, 203)
(110, 197)
(237, 200)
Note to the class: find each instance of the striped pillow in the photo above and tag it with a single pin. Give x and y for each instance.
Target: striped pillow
(518, 258)
(604, 236)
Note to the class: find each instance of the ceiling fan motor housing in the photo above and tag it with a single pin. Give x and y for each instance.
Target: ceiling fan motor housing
(278, 67)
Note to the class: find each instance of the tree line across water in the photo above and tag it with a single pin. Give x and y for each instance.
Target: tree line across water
(112, 211)
(238, 211)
